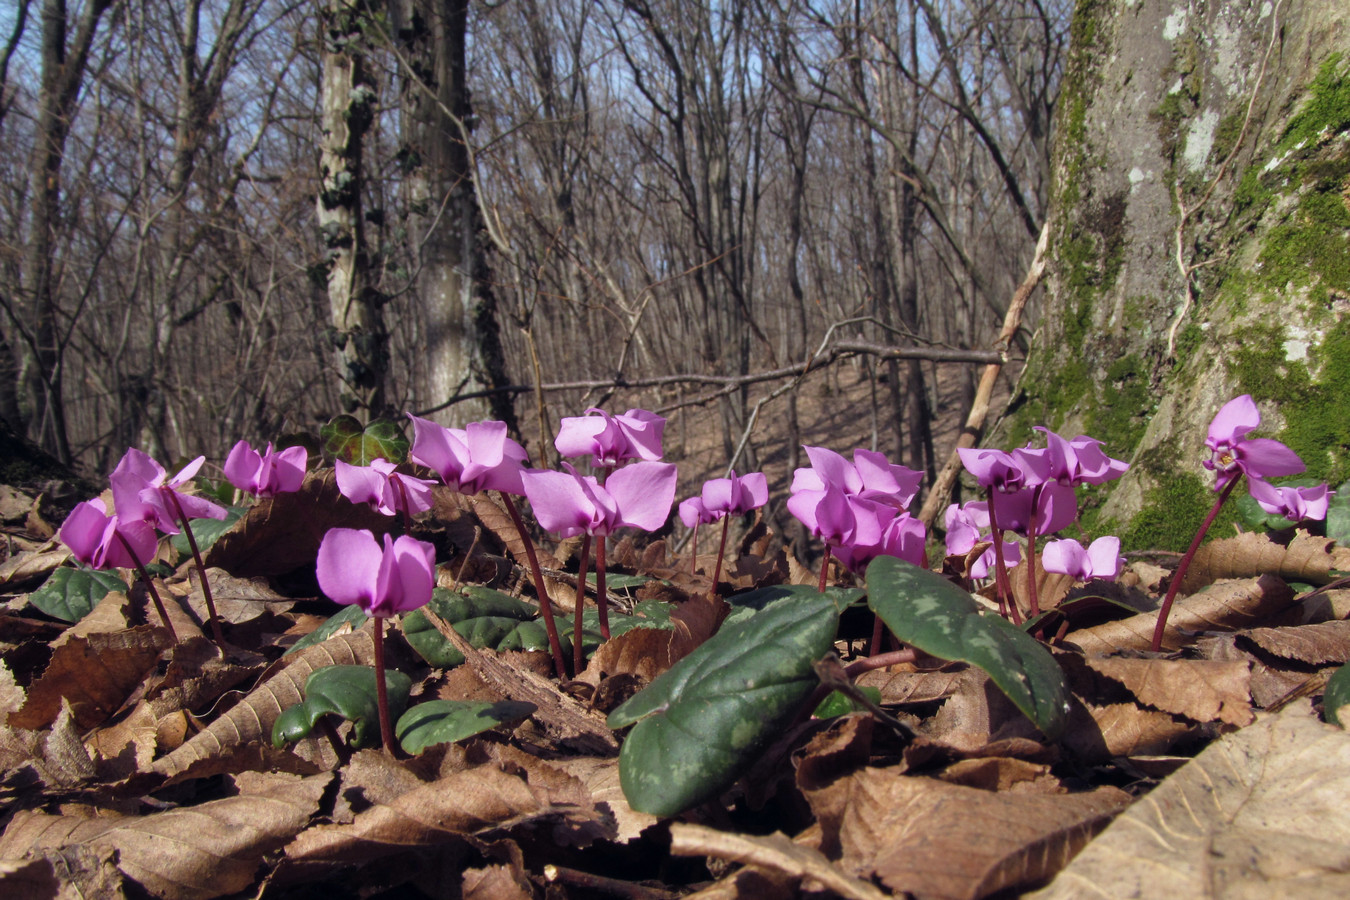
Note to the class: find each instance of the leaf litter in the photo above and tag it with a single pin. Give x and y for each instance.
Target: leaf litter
(130, 767)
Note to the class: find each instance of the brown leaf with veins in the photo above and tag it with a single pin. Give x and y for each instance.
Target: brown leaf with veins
(282, 533)
(1320, 644)
(1199, 689)
(1098, 734)
(495, 883)
(188, 853)
(772, 852)
(1305, 558)
(914, 687)
(938, 840)
(96, 674)
(249, 722)
(1226, 606)
(1268, 683)
(1259, 813)
(650, 651)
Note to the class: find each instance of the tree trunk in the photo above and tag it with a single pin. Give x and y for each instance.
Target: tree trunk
(1199, 224)
(456, 306)
(348, 101)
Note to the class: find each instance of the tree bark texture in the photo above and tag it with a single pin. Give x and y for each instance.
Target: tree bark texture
(1200, 232)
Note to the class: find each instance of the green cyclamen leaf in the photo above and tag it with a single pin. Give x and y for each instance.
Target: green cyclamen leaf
(345, 691)
(447, 721)
(207, 531)
(1336, 695)
(929, 612)
(70, 594)
(840, 704)
(702, 722)
(345, 438)
(351, 617)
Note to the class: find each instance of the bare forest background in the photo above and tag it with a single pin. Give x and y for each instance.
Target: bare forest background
(225, 219)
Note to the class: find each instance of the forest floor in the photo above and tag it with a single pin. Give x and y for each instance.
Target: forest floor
(138, 763)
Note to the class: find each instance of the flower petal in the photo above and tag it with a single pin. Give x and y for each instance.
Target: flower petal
(348, 566)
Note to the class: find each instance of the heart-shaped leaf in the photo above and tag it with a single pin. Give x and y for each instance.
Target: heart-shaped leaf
(701, 723)
(929, 612)
(447, 721)
(351, 618)
(345, 438)
(69, 594)
(206, 531)
(345, 691)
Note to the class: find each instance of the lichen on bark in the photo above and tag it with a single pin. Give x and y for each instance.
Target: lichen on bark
(1201, 247)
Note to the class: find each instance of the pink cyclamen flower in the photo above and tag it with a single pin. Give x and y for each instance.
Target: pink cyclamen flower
(475, 458)
(735, 496)
(902, 537)
(353, 568)
(1233, 454)
(692, 512)
(142, 491)
(383, 487)
(568, 504)
(268, 473)
(610, 440)
(1101, 559)
(1294, 503)
(93, 537)
(871, 476)
(969, 525)
(1003, 471)
(1080, 460)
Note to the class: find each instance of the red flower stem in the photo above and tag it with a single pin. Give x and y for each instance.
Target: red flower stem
(212, 618)
(545, 605)
(403, 508)
(1001, 583)
(1180, 573)
(881, 661)
(1032, 592)
(721, 549)
(693, 554)
(878, 634)
(382, 690)
(149, 586)
(601, 601)
(824, 567)
(578, 654)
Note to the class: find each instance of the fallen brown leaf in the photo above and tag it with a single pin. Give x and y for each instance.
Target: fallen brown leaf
(1317, 644)
(1226, 606)
(1259, 813)
(95, 674)
(938, 840)
(1199, 689)
(1305, 558)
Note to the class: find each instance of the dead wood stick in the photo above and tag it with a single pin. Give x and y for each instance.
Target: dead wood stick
(979, 409)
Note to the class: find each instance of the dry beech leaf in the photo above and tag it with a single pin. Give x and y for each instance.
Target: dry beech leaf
(188, 853)
(938, 840)
(1320, 644)
(1002, 774)
(65, 762)
(914, 687)
(249, 722)
(774, 851)
(495, 883)
(1259, 813)
(282, 533)
(1268, 684)
(32, 565)
(1226, 606)
(978, 714)
(648, 652)
(71, 873)
(95, 674)
(237, 600)
(436, 812)
(600, 777)
(1305, 558)
(1097, 734)
(1199, 689)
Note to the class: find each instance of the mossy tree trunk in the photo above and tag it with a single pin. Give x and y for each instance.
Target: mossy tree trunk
(1200, 228)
